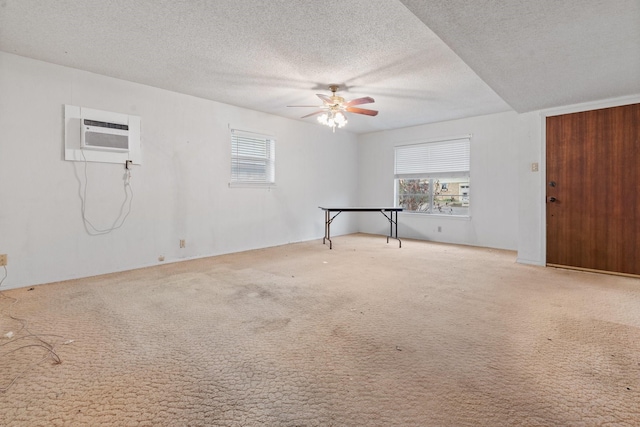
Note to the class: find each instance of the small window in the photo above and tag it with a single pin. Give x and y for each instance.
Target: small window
(433, 178)
(252, 158)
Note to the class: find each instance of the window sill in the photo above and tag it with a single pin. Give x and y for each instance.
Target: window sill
(266, 186)
(439, 216)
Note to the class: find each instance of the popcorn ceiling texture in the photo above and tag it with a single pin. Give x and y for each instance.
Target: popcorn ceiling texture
(546, 53)
(366, 334)
(424, 61)
(259, 55)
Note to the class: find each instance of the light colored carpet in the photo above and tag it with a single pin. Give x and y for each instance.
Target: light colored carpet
(366, 334)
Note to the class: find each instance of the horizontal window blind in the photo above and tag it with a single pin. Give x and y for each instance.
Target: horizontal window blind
(449, 158)
(252, 158)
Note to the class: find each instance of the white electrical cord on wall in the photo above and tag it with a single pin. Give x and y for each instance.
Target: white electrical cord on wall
(122, 216)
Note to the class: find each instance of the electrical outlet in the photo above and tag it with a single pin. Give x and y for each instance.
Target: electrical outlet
(3, 259)
(183, 243)
(534, 167)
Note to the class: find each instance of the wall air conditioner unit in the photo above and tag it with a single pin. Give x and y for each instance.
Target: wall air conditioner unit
(103, 135)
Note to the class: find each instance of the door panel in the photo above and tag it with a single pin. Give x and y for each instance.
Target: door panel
(593, 158)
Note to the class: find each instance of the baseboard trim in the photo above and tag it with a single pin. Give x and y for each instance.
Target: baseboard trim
(592, 270)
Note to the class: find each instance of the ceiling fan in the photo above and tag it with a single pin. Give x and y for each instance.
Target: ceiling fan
(333, 108)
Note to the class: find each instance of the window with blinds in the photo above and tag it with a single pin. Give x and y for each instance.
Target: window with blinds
(252, 158)
(433, 177)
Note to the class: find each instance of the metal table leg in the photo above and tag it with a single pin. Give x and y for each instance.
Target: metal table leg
(392, 221)
(328, 219)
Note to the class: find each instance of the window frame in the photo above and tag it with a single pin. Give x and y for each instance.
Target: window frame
(430, 162)
(253, 159)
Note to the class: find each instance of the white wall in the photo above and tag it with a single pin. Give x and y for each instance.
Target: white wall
(180, 191)
(495, 170)
(507, 197)
(531, 200)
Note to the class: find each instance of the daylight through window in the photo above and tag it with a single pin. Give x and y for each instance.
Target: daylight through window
(252, 158)
(433, 177)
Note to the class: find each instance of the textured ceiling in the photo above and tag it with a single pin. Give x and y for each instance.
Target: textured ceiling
(544, 53)
(265, 55)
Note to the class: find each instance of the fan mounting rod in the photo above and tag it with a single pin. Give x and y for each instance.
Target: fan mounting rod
(337, 100)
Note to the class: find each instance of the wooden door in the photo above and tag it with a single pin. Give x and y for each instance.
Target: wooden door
(593, 188)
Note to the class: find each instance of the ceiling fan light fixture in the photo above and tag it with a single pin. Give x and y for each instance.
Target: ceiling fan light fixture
(333, 119)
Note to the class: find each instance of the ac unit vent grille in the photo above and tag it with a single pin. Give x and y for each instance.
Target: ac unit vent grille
(106, 141)
(88, 122)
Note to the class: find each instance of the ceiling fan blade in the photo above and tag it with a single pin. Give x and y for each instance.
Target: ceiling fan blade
(314, 106)
(326, 99)
(312, 114)
(358, 101)
(362, 111)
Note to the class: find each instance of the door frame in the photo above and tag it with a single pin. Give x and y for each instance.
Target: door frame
(577, 108)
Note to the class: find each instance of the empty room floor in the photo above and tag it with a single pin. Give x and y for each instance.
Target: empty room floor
(366, 334)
